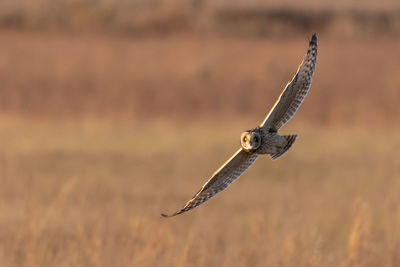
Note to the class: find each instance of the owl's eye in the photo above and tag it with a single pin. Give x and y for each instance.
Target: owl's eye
(246, 139)
(255, 138)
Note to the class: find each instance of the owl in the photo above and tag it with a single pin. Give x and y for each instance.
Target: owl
(263, 139)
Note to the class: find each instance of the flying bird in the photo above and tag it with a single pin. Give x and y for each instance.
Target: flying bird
(263, 139)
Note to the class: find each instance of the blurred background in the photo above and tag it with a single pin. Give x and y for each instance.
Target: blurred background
(112, 112)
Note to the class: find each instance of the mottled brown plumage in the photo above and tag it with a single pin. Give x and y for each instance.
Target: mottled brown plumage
(263, 139)
(295, 91)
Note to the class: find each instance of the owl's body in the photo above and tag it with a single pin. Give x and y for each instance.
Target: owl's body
(271, 143)
(276, 145)
(263, 139)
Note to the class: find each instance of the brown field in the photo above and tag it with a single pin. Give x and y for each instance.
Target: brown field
(112, 112)
(91, 194)
(357, 81)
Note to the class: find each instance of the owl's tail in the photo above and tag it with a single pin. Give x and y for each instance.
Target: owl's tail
(290, 139)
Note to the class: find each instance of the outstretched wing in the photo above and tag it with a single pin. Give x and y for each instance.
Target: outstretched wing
(295, 91)
(221, 179)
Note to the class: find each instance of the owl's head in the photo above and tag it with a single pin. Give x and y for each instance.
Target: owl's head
(250, 140)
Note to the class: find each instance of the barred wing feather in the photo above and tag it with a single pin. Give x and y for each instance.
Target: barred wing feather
(221, 179)
(295, 91)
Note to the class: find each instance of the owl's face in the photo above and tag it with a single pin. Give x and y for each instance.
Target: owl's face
(250, 141)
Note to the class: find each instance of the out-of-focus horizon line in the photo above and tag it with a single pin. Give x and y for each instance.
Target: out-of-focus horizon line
(138, 18)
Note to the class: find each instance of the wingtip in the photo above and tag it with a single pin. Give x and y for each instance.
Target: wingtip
(313, 38)
(171, 215)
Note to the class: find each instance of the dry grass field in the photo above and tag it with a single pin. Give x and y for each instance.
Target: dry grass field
(90, 194)
(112, 112)
(180, 76)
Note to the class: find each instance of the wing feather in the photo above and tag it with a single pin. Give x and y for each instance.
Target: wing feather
(231, 170)
(295, 91)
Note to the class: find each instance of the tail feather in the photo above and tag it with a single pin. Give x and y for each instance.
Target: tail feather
(290, 139)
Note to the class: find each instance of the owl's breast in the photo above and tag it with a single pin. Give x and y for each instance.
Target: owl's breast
(271, 143)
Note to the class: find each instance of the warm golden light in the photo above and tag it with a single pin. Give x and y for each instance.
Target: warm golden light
(112, 112)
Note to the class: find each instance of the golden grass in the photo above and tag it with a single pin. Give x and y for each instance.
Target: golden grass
(80, 186)
(90, 194)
